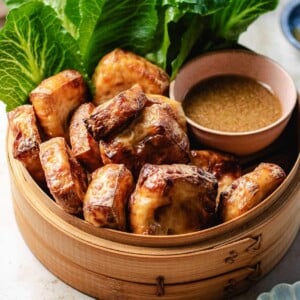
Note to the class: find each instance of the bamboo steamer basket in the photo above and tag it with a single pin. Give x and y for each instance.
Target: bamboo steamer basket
(215, 263)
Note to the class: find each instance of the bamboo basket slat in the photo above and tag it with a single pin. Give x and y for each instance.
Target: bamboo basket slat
(210, 264)
(103, 287)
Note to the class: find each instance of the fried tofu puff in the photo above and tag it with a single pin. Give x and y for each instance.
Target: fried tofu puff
(172, 199)
(119, 70)
(106, 200)
(153, 137)
(83, 145)
(176, 106)
(224, 166)
(66, 179)
(115, 113)
(55, 98)
(247, 191)
(26, 140)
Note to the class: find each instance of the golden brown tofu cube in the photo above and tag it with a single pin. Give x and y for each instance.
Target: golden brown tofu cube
(119, 70)
(247, 191)
(66, 179)
(153, 137)
(225, 167)
(55, 99)
(83, 145)
(115, 113)
(105, 203)
(26, 140)
(176, 107)
(172, 199)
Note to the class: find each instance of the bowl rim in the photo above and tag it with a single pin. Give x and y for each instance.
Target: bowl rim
(284, 22)
(283, 117)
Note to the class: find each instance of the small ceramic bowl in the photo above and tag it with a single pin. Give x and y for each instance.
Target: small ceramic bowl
(282, 291)
(244, 63)
(290, 22)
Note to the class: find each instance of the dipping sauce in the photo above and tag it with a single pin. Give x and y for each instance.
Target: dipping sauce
(232, 103)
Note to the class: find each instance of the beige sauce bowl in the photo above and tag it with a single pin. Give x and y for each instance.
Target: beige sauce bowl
(243, 63)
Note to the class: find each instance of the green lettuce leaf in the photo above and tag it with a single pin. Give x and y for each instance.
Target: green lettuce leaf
(229, 23)
(202, 8)
(191, 27)
(99, 26)
(182, 23)
(122, 24)
(69, 12)
(33, 46)
(14, 3)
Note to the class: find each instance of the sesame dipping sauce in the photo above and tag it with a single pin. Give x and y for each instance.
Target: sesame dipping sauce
(232, 103)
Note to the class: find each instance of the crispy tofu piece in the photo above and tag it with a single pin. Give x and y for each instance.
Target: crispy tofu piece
(55, 99)
(176, 107)
(119, 70)
(225, 167)
(247, 191)
(172, 199)
(26, 140)
(105, 202)
(153, 137)
(83, 145)
(66, 179)
(115, 113)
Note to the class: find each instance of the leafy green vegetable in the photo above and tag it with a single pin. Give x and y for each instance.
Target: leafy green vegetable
(181, 25)
(43, 37)
(14, 3)
(191, 27)
(237, 16)
(99, 26)
(125, 24)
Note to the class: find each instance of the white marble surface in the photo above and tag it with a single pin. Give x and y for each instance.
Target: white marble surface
(21, 274)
